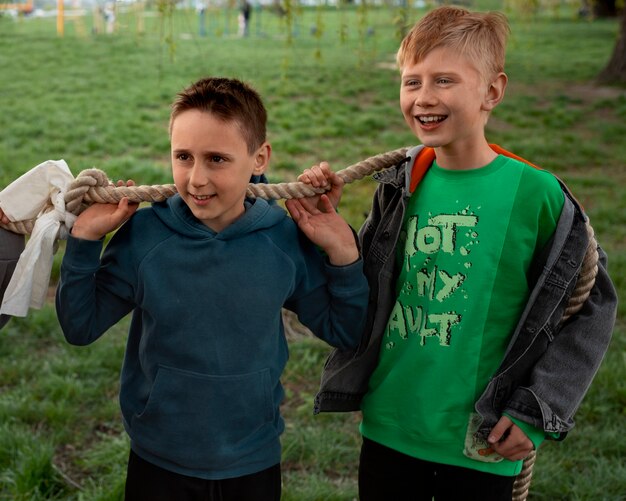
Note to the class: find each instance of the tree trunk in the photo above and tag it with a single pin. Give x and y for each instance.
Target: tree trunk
(615, 71)
(604, 8)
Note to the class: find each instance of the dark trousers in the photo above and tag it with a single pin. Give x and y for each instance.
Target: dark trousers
(388, 475)
(148, 482)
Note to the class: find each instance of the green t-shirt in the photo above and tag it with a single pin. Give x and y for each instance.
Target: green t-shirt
(468, 241)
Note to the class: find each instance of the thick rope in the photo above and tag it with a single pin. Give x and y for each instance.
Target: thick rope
(93, 186)
(584, 284)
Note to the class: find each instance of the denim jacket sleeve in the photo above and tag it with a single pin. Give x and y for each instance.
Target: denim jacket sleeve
(550, 364)
(561, 377)
(346, 372)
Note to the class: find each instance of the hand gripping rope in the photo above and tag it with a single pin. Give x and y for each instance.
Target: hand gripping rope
(93, 186)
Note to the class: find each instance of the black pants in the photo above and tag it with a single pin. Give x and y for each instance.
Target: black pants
(388, 475)
(147, 482)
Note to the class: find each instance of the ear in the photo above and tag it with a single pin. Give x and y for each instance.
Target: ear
(495, 92)
(262, 158)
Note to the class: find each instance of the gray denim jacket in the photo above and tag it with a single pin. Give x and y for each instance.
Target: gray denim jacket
(548, 365)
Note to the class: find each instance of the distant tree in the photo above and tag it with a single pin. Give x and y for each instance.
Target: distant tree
(604, 8)
(615, 71)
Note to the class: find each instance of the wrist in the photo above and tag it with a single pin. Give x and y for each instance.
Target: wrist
(84, 234)
(343, 257)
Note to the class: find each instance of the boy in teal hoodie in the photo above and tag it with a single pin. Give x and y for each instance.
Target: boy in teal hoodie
(205, 275)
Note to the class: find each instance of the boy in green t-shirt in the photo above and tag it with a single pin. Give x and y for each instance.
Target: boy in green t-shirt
(453, 248)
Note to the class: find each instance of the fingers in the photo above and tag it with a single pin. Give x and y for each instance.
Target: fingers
(125, 209)
(335, 179)
(514, 448)
(317, 176)
(292, 207)
(296, 210)
(308, 206)
(99, 219)
(327, 206)
(320, 176)
(129, 182)
(499, 430)
(336, 190)
(508, 440)
(3, 218)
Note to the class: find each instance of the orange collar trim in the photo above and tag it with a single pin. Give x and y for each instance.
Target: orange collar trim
(426, 156)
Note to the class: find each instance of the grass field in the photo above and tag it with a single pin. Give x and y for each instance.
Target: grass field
(332, 93)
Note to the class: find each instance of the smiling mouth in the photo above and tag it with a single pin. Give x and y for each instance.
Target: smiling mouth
(201, 198)
(431, 119)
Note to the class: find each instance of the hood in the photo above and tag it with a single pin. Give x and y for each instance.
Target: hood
(176, 215)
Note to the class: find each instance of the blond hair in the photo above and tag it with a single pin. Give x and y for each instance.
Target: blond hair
(479, 36)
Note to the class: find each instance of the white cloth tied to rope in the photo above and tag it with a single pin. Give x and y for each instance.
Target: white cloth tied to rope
(39, 193)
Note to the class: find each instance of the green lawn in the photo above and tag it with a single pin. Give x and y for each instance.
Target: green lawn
(332, 94)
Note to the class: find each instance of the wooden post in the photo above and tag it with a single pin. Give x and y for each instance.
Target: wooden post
(60, 18)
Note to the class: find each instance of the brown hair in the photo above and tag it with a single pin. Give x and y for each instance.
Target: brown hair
(480, 36)
(228, 99)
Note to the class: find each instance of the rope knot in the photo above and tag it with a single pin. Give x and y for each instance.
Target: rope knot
(76, 195)
(65, 218)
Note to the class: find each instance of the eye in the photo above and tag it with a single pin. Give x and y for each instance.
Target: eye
(216, 159)
(411, 83)
(183, 157)
(444, 80)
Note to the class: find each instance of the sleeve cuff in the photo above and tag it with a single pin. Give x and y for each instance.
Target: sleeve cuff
(83, 254)
(535, 435)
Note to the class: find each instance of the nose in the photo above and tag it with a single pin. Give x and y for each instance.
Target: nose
(198, 176)
(425, 96)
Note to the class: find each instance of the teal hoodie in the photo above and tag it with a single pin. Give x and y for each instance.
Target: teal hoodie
(200, 385)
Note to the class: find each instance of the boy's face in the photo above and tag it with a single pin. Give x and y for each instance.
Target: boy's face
(446, 102)
(212, 167)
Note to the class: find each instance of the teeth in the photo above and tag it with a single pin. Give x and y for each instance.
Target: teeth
(431, 119)
(202, 197)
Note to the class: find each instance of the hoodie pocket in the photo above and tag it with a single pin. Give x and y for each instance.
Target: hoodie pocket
(205, 422)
